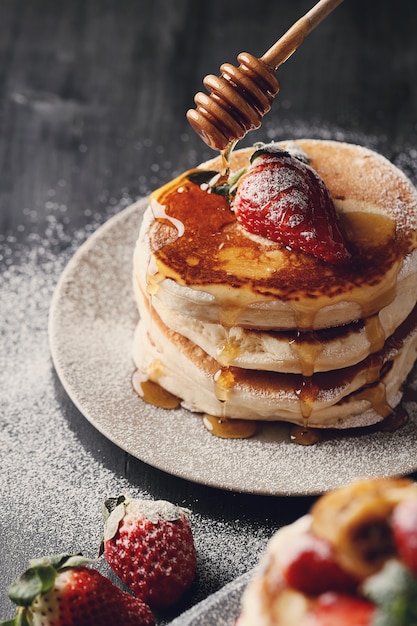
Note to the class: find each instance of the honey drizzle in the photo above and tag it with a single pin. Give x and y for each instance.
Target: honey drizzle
(396, 420)
(376, 396)
(223, 382)
(227, 351)
(230, 428)
(152, 392)
(307, 351)
(227, 428)
(225, 155)
(373, 393)
(307, 394)
(374, 333)
(309, 436)
(152, 283)
(305, 436)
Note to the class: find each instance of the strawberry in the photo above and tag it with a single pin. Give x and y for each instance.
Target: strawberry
(336, 609)
(309, 565)
(150, 546)
(283, 199)
(63, 591)
(404, 528)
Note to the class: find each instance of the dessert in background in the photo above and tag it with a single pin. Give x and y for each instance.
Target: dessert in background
(352, 560)
(285, 291)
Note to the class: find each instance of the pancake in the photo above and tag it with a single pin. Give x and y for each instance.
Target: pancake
(216, 272)
(361, 395)
(339, 524)
(293, 351)
(242, 327)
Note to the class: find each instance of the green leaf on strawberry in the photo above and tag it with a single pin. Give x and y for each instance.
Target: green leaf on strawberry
(202, 177)
(292, 150)
(62, 591)
(32, 582)
(214, 182)
(40, 577)
(394, 591)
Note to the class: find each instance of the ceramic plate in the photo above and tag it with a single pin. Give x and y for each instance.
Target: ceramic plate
(92, 320)
(221, 608)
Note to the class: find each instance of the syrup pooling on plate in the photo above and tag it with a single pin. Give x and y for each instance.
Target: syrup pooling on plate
(153, 393)
(230, 429)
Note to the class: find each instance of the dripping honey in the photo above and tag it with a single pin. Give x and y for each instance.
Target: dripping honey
(230, 428)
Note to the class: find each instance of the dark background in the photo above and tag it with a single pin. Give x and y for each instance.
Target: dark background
(93, 96)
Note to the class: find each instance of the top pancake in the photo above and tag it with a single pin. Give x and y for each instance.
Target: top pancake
(202, 263)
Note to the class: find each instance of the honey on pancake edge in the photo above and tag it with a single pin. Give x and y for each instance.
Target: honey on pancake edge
(168, 249)
(201, 256)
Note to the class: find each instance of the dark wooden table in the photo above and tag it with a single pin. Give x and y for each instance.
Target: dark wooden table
(93, 95)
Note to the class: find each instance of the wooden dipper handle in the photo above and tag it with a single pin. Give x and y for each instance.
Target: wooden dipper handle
(241, 96)
(291, 40)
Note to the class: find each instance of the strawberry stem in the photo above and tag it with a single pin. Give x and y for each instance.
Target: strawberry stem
(37, 579)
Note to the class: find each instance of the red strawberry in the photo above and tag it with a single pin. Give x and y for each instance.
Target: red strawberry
(309, 565)
(404, 528)
(336, 609)
(62, 591)
(150, 546)
(285, 200)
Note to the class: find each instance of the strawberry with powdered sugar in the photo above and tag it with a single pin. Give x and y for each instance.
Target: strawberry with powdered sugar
(150, 546)
(281, 198)
(62, 590)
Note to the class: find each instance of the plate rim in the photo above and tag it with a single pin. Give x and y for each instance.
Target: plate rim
(231, 592)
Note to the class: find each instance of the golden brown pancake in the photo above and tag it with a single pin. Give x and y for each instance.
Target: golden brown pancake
(292, 351)
(217, 272)
(360, 395)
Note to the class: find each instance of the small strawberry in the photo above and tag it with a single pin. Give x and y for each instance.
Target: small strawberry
(63, 591)
(150, 546)
(283, 199)
(309, 565)
(404, 528)
(337, 609)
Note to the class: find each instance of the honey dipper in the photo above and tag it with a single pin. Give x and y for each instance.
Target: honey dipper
(241, 96)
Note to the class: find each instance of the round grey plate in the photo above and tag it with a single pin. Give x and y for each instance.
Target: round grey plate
(91, 325)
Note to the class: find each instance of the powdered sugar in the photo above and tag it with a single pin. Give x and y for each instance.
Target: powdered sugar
(280, 178)
(53, 480)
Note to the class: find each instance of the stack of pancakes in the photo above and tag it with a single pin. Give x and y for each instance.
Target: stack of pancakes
(240, 327)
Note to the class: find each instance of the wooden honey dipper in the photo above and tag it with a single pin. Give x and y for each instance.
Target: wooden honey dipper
(241, 96)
